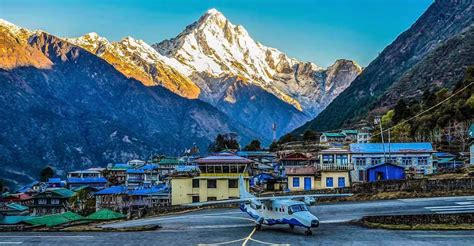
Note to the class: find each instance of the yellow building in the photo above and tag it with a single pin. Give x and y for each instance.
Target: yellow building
(334, 179)
(218, 180)
(301, 178)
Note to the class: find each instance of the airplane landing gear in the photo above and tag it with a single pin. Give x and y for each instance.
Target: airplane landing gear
(258, 227)
(308, 232)
(292, 227)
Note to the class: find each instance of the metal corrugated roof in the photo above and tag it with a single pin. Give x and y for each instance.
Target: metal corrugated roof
(330, 134)
(62, 192)
(12, 220)
(54, 219)
(17, 206)
(113, 190)
(223, 158)
(394, 147)
(86, 180)
(105, 214)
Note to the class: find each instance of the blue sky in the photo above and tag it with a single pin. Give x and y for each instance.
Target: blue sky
(320, 31)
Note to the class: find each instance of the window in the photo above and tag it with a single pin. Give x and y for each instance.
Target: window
(375, 160)
(296, 182)
(422, 160)
(195, 183)
(55, 201)
(341, 159)
(211, 198)
(42, 201)
(218, 169)
(297, 208)
(341, 182)
(407, 161)
(233, 183)
(360, 161)
(195, 199)
(392, 160)
(211, 183)
(329, 182)
(328, 158)
(233, 169)
(225, 169)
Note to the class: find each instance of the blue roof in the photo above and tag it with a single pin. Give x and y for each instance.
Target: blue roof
(394, 147)
(385, 164)
(444, 155)
(116, 190)
(86, 180)
(54, 180)
(264, 176)
(186, 168)
(148, 167)
(135, 171)
(113, 190)
(27, 187)
(471, 131)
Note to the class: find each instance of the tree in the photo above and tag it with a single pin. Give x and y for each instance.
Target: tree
(46, 174)
(287, 138)
(274, 147)
(253, 146)
(223, 142)
(83, 202)
(310, 135)
(1, 186)
(401, 112)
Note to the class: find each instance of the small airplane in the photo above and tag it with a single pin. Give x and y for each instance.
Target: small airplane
(291, 210)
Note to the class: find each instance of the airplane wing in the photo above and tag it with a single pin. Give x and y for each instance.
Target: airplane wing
(262, 199)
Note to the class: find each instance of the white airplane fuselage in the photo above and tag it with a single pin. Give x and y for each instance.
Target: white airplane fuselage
(284, 211)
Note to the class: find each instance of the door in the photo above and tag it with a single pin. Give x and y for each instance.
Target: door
(307, 183)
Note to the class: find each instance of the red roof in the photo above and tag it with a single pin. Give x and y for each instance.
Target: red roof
(293, 171)
(295, 157)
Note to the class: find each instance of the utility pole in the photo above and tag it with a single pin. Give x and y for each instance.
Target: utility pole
(378, 120)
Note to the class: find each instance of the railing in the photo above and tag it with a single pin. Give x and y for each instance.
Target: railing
(223, 174)
(334, 167)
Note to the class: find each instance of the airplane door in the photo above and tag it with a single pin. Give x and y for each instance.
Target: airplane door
(307, 183)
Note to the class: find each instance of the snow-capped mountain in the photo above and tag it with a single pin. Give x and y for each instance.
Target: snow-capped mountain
(136, 59)
(213, 48)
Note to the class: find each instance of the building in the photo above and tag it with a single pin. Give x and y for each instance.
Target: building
(351, 135)
(117, 174)
(94, 172)
(332, 138)
(13, 209)
(144, 176)
(363, 135)
(98, 183)
(471, 149)
(334, 168)
(386, 171)
(217, 180)
(415, 156)
(296, 160)
(51, 201)
(125, 200)
(168, 165)
(301, 178)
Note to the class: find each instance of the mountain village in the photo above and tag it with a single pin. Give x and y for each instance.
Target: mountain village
(345, 160)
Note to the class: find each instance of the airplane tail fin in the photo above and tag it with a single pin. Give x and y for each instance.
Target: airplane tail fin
(243, 189)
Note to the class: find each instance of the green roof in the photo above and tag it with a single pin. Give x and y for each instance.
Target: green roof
(63, 192)
(12, 220)
(55, 219)
(329, 134)
(17, 206)
(350, 131)
(170, 161)
(105, 214)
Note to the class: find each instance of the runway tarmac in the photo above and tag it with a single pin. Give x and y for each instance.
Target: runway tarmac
(232, 227)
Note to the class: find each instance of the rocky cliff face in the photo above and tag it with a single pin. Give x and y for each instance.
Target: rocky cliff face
(78, 110)
(213, 48)
(418, 49)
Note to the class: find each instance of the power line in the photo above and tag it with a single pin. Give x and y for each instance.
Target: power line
(419, 114)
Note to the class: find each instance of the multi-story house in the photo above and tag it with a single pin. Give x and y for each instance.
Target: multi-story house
(217, 180)
(51, 201)
(417, 157)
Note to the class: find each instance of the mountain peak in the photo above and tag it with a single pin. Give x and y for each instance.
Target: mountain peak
(213, 11)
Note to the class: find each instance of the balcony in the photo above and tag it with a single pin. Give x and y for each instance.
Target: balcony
(334, 167)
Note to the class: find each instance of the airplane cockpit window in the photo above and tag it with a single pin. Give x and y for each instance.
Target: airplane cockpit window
(297, 208)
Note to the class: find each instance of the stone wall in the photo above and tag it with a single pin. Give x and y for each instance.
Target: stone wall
(420, 219)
